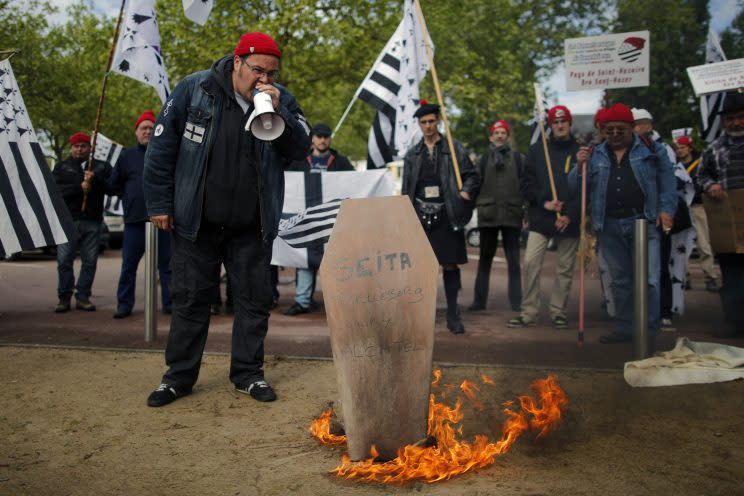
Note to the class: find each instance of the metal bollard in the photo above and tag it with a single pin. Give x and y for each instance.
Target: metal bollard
(640, 290)
(151, 290)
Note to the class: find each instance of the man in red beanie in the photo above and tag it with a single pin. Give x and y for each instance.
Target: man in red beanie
(499, 205)
(548, 218)
(629, 179)
(219, 189)
(126, 182)
(74, 182)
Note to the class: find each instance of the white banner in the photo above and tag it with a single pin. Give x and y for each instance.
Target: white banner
(311, 202)
(713, 78)
(618, 60)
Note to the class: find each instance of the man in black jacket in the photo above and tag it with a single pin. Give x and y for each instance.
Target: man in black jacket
(550, 217)
(499, 205)
(126, 182)
(220, 190)
(74, 182)
(322, 158)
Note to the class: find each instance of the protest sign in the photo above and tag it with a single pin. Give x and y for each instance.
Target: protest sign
(618, 60)
(714, 78)
(726, 221)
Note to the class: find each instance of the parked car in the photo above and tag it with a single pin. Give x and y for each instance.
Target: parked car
(115, 225)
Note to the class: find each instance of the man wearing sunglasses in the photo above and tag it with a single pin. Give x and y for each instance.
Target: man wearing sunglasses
(220, 190)
(628, 179)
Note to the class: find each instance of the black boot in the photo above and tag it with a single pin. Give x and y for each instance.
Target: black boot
(451, 287)
(481, 291)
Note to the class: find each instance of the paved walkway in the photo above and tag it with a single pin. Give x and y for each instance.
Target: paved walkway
(28, 296)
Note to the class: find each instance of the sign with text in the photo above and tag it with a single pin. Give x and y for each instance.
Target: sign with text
(379, 277)
(726, 221)
(720, 76)
(618, 60)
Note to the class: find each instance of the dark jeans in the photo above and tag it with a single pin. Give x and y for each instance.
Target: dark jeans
(665, 280)
(616, 241)
(196, 273)
(488, 243)
(732, 291)
(89, 231)
(131, 253)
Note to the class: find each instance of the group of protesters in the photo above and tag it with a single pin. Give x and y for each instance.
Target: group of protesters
(215, 193)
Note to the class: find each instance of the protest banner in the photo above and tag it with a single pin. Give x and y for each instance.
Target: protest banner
(714, 78)
(726, 221)
(618, 60)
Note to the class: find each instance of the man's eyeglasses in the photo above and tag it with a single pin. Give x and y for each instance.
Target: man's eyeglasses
(426, 122)
(260, 71)
(615, 130)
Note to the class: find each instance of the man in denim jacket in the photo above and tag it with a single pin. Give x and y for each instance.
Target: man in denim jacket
(220, 189)
(629, 178)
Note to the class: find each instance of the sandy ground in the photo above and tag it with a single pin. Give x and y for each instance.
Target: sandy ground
(75, 422)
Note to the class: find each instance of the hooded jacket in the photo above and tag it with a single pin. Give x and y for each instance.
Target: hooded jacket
(181, 144)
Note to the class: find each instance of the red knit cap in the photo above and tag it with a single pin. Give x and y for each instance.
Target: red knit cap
(618, 113)
(147, 115)
(500, 124)
(684, 140)
(79, 137)
(257, 43)
(599, 117)
(559, 111)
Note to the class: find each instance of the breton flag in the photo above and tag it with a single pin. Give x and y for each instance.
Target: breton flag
(311, 203)
(197, 10)
(539, 113)
(32, 212)
(392, 88)
(137, 54)
(108, 151)
(711, 104)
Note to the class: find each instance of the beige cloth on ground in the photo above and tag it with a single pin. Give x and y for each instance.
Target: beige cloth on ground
(689, 362)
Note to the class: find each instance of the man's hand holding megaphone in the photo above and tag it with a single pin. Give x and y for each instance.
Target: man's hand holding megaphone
(271, 90)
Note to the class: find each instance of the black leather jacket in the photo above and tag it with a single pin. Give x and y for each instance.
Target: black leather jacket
(459, 210)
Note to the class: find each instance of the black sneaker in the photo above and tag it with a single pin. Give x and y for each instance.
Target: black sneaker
(560, 322)
(85, 305)
(167, 393)
(122, 314)
(259, 390)
(296, 309)
(519, 322)
(63, 305)
(476, 307)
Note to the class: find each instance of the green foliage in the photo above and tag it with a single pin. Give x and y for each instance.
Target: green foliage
(732, 39)
(678, 34)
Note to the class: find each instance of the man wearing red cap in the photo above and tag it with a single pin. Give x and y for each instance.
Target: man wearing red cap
(75, 182)
(550, 217)
(629, 179)
(690, 159)
(219, 189)
(499, 205)
(126, 182)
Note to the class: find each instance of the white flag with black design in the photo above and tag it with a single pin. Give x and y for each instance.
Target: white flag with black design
(32, 212)
(137, 54)
(197, 10)
(392, 87)
(539, 113)
(311, 203)
(108, 151)
(711, 104)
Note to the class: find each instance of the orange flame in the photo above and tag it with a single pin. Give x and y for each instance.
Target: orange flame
(487, 380)
(450, 455)
(321, 429)
(469, 387)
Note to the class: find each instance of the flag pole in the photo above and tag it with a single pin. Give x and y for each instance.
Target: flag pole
(346, 112)
(430, 56)
(545, 148)
(101, 99)
(582, 255)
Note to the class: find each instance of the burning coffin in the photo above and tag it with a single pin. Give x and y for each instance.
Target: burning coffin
(379, 277)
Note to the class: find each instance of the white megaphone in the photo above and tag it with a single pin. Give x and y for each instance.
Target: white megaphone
(264, 122)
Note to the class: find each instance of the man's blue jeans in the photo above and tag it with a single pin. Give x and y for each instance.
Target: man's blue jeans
(89, 231)
(131, 254)
(305, 286)
(616, 240)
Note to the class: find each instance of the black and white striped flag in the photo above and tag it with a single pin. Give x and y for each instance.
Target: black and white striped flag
(108, 151)
(392, 87)
(539, 113)
(311, 203)
(32, 212)
(711, 104)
